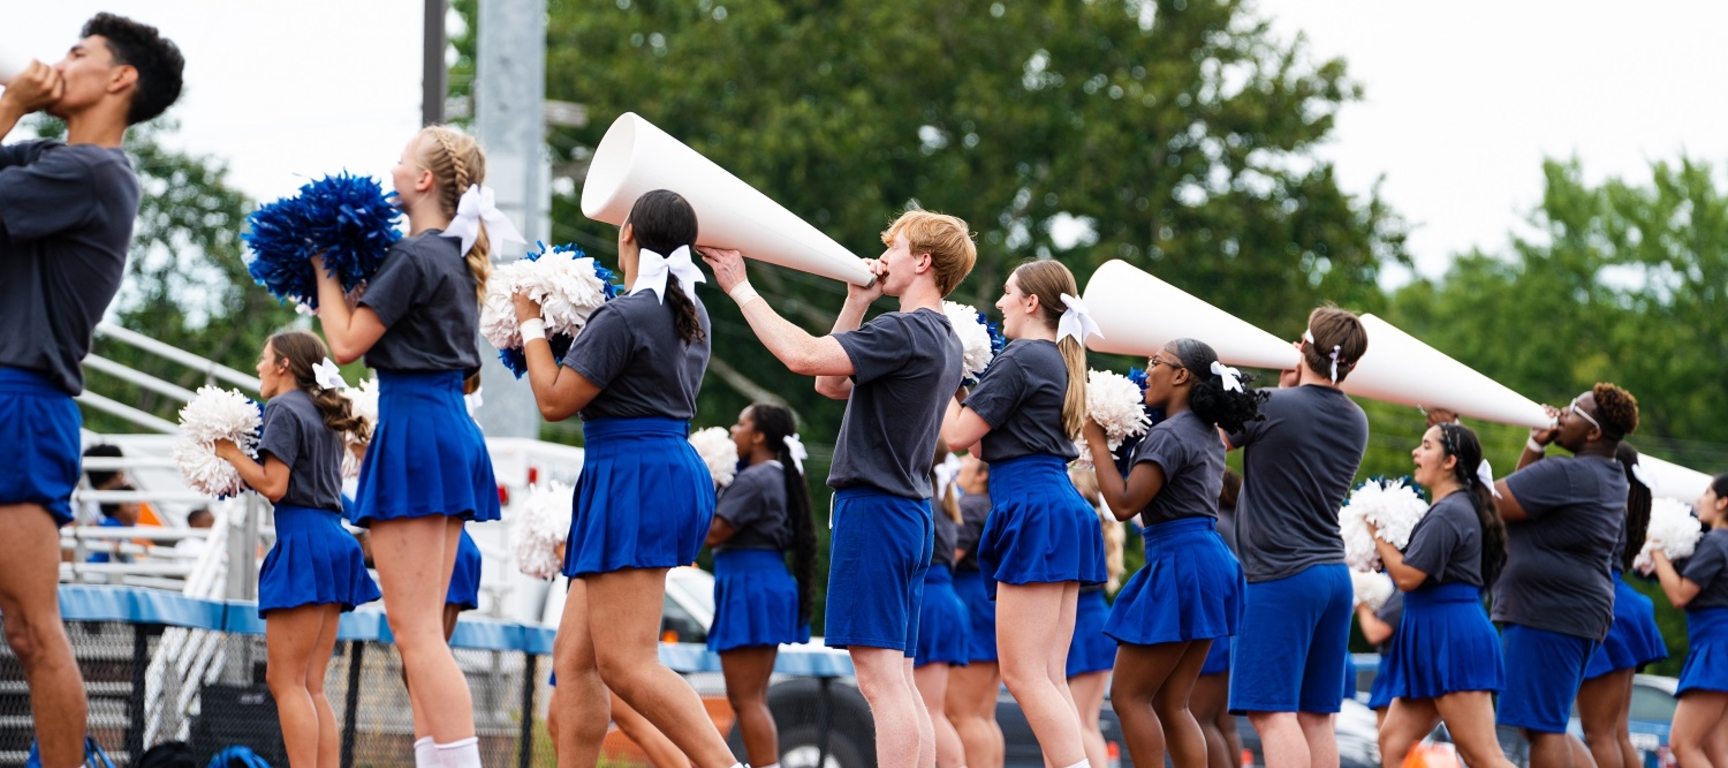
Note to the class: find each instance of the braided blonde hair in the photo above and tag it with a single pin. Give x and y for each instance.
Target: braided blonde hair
(457, 162)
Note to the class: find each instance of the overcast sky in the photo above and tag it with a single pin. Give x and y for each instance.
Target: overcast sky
(1463, 101)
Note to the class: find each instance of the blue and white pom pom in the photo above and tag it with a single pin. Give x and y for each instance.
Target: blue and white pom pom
(717, 450)
(1117, 404)
(541, 526)
(1672, 529)
(215, 414)
(1372, 588)
(363, 402)
(566, 284)
(1392, 505)
(347, 218)
(979, 342)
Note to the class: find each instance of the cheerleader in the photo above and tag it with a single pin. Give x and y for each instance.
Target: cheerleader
(66, 211)
(464, 591)
(1699, 585)
(1287, 664)
(1040, 544)
(1605, 697)
(1379, 626)
(758, 603)
(316, 570)
(1092, 654)
(644, 501)
(1445, 658)
(974, 688)
(1190, 591)
(426, 469)
(942, 626)
(894, 373)
(1555, 599)
(1211, 696)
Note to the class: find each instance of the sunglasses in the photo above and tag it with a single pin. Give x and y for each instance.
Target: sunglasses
(1573, 409)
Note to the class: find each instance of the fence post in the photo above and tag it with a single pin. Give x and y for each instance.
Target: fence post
(525, 745)
(824, 720)
(135, 702)
(351, 701)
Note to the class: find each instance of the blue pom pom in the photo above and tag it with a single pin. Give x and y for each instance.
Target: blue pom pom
(516, 361)
(347, 218)
(1138, 376)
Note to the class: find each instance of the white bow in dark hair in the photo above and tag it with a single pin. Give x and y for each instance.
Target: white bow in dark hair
(328, 375)
(1232, 377)
(652, 270)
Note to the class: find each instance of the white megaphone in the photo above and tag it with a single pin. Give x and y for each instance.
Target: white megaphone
(635, 158)
(1139, 314)
(10, 67)
(1672, 480)
(1400, 368)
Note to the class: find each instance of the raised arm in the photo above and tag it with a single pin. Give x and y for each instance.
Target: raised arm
(1679, 589)
(1125, 496)
(801, 352)
(350, 331)
(38, 86)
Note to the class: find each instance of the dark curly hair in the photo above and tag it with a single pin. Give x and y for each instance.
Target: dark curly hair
(663, 221)
(1618, 409)
(1460, 441)
(1637, 505)
(776, 423)
(156, 58)
(1210, 401)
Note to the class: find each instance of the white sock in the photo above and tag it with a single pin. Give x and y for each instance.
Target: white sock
(1081, 764)
(741, 765)
(461, 753)
(425, 754)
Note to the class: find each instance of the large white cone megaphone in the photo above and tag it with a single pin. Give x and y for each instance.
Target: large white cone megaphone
(1400, 368)
(1672, 480)
(1139, 314)
(635, 158)
(10, 67)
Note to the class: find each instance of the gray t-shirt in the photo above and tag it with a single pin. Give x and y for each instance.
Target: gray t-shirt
(974, 510)
(1391, 612)
(1020, 397)
(1446, 543)
(906, 366)
(294, 432)
(424, 295)
(1557, 576)
(631, 350)
(1298, 465)
(947, 532)
(1192, 457)
(66, 216)
(1227, 527)
(755, 505)
(1706, 568)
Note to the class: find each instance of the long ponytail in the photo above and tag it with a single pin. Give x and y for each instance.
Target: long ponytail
(1049, 280)
(776, 424)
(457, 163)
(1638, 500)
(1460, 441)
(663, 222)
(302, 350)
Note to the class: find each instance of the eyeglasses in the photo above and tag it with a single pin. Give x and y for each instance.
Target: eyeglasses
(1155, 361)
(1580, 412)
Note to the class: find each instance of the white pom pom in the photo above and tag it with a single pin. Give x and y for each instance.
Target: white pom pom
(363, 400)
(542, 525)
(1392, 506)
(1672, 529)
(563, 284)
(215, 414)
(974, 338)
(1372, 588)
(1115, 403)
(717, 450)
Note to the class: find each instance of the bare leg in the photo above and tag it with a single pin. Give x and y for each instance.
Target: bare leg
(1319, 730)
(329, 742)
(1469, 717)
(581, 705)
(932, 681)
(1088, 692)
(1699, 713)
(1282, 740)
(747, 671)
(1553, 750)
(29, 599)
(1210, 704)
(623, 619)
(1716, 743)
(894, 703)
(291, 639)
(1029, 632)
(1141, 672)
(1407, 722)
(660, 750)
(415, 557)
(1182, 734)
(926, 724)
(1604, 703)
(971, 704)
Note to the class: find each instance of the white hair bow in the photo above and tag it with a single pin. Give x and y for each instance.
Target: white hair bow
(1337, 351)
(473, 400)
(1642, 475)
(795, 449)
(328, 375)
(1076, 322)
(478, 205)
(947, 471)
(1232, 377)
(652, 269)
(1485, 475)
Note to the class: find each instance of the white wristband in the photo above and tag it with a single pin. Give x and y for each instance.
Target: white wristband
(743, 293)
(1535, 447)
(533, 329)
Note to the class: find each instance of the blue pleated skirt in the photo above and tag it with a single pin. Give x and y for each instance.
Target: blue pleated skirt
(644, 498)
(1218, 658)
(1445, 644)
(943, 624)
(1190, 589)
(755, 601)
(981, 636)
(1706, 666)
(1633, 639)
(39, 443)
(427, 457)
(1040, 530)
(1380, 693)
(1091, 650)
(465, 577)
(315, 562)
